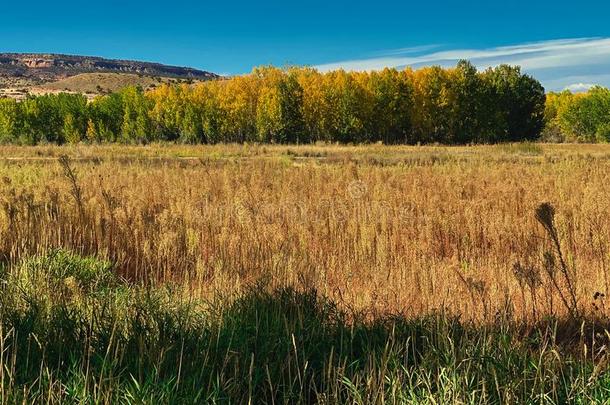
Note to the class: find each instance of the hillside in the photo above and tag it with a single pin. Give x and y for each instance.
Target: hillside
(22, 74)
(101, 83)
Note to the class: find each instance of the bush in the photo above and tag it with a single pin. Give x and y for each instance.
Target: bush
(61, 267)
(603, 133)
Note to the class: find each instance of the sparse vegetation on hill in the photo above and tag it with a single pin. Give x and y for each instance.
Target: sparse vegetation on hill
(33, 74)
(94, 84)
(50, 67)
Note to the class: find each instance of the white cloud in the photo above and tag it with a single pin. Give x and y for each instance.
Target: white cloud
(554, 60)
(557, 82)
(579, 87)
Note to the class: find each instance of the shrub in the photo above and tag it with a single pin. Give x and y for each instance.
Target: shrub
(63, 267)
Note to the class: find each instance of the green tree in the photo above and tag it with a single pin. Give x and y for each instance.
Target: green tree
(10, 120)
(279, 115)
(348, 107)
(392, 97)
(137, 126)
(107, 114)
(191, 125)
(587, 116)
(517, 104)
(432, 112)
(72, 132)
(290, 94)
(465, 122)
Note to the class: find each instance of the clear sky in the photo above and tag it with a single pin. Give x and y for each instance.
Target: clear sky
(561, 43)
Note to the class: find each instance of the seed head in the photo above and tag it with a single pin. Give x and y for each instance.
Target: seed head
(545, 214)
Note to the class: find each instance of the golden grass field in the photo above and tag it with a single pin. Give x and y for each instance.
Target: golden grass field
(387, 229)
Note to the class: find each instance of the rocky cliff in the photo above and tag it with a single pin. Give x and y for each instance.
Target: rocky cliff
(43, 68)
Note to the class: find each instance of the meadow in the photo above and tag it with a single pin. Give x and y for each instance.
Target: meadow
(304, 274)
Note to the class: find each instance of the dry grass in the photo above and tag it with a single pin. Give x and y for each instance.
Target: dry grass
(409, 230)
(89, 84)
(94, 82)
(304, 274)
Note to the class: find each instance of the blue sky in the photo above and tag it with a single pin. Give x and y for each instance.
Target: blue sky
(562, 44)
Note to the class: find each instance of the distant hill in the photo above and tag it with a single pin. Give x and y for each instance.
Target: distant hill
(92, 84)
(21, 74)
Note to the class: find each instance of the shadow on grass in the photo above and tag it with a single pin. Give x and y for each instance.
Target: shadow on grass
(73, 332)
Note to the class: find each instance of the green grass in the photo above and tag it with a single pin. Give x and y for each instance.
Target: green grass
(73, 332)
(522, 148)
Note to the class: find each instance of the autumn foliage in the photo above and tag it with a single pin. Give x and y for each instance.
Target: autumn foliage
(296, 105)
(581, 117)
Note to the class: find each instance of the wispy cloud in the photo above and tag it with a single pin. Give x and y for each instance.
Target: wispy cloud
(553, 62)
(408, 51)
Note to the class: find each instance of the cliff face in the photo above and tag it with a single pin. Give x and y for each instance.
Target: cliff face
(43, 68)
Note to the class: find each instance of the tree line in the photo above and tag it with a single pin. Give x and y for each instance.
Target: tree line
(581, 117)
(296, 105)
